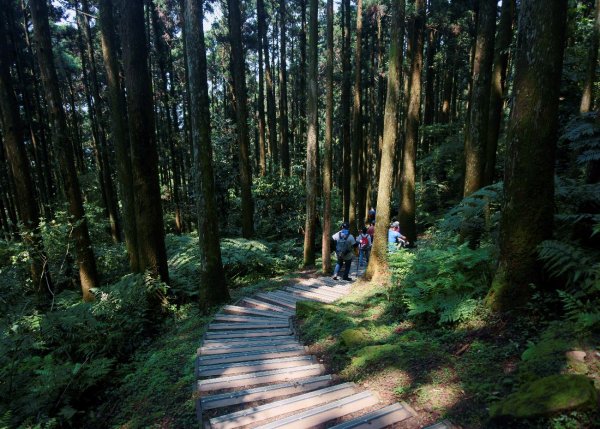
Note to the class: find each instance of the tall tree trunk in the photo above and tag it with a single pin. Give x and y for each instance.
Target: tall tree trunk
(88, 274)
(378, 259)
(271, 107)
(587, 97)
(312, 144)
(213, 287)
(162, 53)
(527, 212)
(150, 238)
(430, 73)
(409, 155)
(283, 101)
(109, 187)
(498, 83)
(477, 121)
(19, 165)
(357, 125)
(327, 173)
(119, 132)
(262, 159)
(241, 113)
(345, 108)
(303, 89)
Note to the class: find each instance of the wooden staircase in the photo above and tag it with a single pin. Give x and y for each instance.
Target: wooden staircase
(253, 372)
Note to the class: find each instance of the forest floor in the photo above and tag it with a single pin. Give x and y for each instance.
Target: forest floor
(442, 372)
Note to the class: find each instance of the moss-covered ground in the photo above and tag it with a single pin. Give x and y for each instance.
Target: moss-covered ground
(453, 371)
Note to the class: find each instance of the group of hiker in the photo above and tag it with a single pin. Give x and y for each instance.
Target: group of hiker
(345, 244)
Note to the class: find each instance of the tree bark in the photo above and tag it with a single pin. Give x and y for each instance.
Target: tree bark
(498, 87)
(430, 73)
(311, 137)
(477, 121)
(327, 161)
(378, 260)
(283, 101)
(409, 155)
(119, 131)
(19, 165)
(150, 232)
(241, 113)
(587, 98)
(527, 212)
(85, 255)
(271, 108)
(213, 287)
(345, 108)
(262, 157)
(356, 124)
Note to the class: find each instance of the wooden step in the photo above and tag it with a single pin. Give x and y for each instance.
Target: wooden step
(225, 369)
(229, 318)
(284, 406)
(378, 419)
(264, 393)
(247, 325)
(310, 295)
(267, 306)
(236, 309)
(324, 413)
(322, 289)
(243, 341)
(263, 377)
(276, 348)
(213, 359)
(295, 298)
(274, 299)
(247, 333)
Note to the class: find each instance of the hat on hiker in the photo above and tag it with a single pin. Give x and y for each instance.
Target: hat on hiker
(395, 224)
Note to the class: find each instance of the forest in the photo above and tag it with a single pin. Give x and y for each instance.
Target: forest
(162, 161)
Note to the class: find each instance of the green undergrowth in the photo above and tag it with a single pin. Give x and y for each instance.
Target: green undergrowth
(121, 361)
(427, 339)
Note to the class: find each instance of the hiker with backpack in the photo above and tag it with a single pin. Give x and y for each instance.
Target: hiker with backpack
(344, 244)
(364, 246)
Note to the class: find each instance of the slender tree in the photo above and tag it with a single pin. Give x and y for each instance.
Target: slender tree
(213, 287)
(345, 107)
(241, 113)
(283, 101)
(502, 46)
(262, 158)
(271, 108)
(590, 76)
(118, 124)
(88, 274)
(311, 136)
(409, 154)
(378, 259)
(327, 173)
(152, 255)
(357, 126)
(477, 121)
(20, 167)
(527, 212)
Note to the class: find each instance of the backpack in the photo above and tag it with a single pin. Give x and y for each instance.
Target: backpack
(343, 246)
(363, 241)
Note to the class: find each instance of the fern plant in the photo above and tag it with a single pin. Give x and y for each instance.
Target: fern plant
(448, 283)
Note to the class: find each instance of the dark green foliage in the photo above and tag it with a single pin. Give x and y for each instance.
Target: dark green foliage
(51, 364)
(279, 206)
(446, 282)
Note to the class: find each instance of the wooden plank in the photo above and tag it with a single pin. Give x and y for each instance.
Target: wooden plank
(378, 419)
(224, 369)
(247, 333)
(324, 413)
(247, 325)
(250, 349)
(284, 406)
(263, 393)
(267, 306)
(213, 359)
(264, 377)
(236, 309)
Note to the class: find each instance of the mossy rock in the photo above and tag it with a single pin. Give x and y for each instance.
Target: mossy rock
(548, 396)
(547, 348)
(305, 309)
(353, 338)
